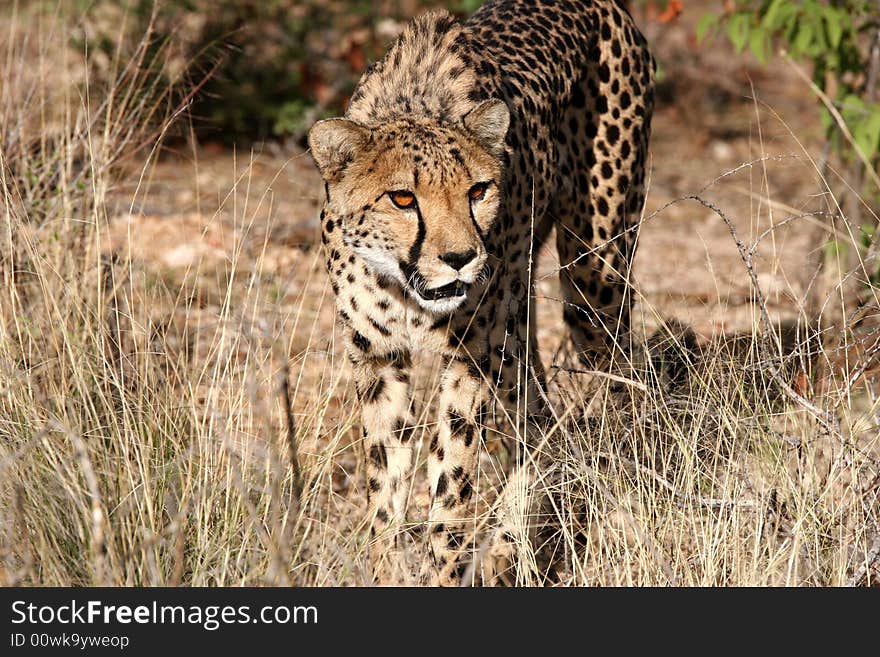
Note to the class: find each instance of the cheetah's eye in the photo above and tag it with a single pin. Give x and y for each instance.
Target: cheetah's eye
(402, 199)
(478, 191)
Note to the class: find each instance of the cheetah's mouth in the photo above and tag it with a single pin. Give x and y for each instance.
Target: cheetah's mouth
(453, 289)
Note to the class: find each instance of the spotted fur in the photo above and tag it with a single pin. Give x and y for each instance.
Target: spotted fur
(460, 151)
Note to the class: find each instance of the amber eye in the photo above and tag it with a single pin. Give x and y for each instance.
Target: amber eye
(478, 191)
(402, 199)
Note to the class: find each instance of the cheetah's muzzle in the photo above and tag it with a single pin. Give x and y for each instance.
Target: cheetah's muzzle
(453, 289)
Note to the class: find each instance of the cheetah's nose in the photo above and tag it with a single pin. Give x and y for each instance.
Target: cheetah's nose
(458, 260)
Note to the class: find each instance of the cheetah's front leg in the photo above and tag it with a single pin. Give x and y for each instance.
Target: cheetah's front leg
(452, 465)
(383, 388)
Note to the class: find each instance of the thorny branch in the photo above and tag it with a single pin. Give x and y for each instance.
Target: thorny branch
(638, 224)
(746, 254)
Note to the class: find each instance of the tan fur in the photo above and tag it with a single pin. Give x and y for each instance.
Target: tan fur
(423, 68)
(532, 114)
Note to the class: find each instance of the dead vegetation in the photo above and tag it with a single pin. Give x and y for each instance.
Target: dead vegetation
(167, 360)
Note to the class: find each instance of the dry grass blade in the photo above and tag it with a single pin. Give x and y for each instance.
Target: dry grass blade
(870, 559)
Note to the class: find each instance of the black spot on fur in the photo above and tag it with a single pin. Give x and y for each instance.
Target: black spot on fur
(360, 341)
(378, 457)
(442, 485)
(465, 491)
(374, 390)
(457, 422)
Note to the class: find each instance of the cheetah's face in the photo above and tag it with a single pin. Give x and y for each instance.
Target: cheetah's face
(414, 199)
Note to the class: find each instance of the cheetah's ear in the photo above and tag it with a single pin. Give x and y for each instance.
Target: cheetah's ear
(488, 122)
(334, 143)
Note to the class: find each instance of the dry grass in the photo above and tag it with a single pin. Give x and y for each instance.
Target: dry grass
(150, 415)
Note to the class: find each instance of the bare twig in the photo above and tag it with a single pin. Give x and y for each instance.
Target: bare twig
(636, 227)
(293, 452)
(867, 361)
(827, 418)
(746, 254)
(605, 375)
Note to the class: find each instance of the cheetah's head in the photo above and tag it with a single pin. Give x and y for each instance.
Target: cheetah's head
(414, 198)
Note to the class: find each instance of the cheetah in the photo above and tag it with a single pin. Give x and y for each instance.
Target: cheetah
(459, 152)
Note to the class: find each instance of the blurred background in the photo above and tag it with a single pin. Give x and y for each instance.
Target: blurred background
(268, 69)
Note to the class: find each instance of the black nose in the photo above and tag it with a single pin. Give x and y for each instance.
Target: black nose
(458, 260)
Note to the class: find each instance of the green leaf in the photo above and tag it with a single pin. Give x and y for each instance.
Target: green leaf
(819, 45)
(833, 27)
(775, 15)
(866, 134)
(833, 249)
(707, 23)
(759, 45)
(738, 30)
(852, 107)
(802, 39)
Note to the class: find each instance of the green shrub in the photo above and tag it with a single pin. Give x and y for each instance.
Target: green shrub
(836, 36)
(841, 40)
